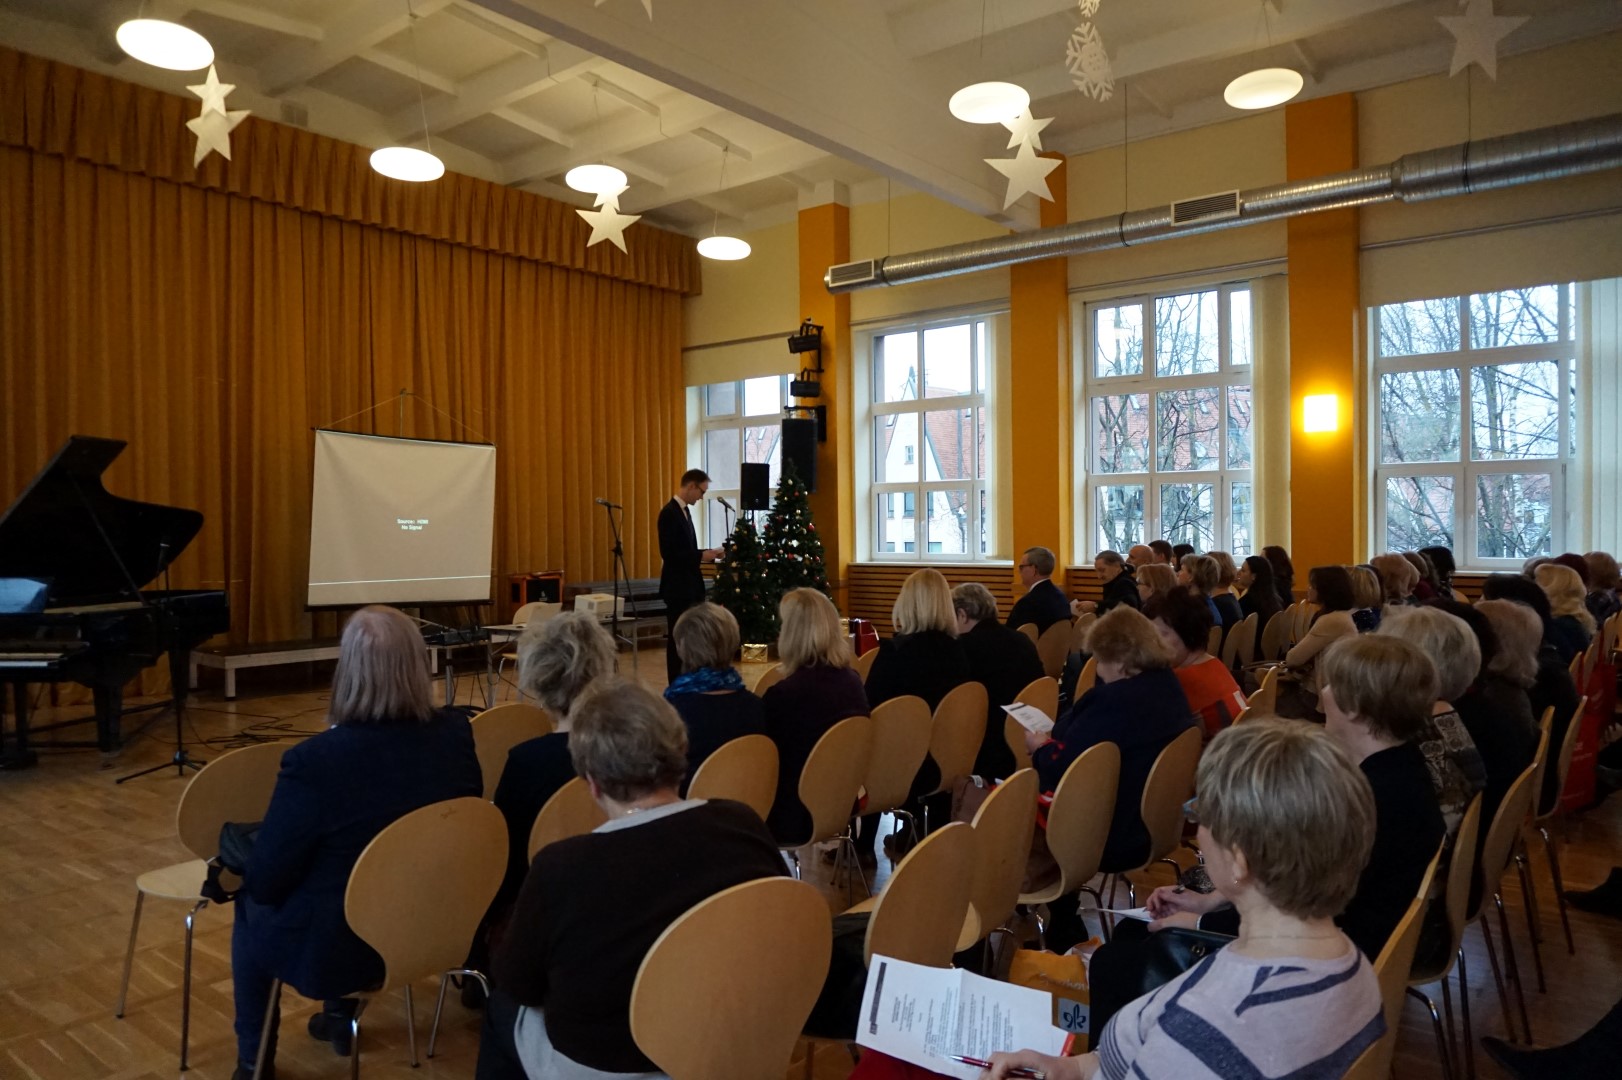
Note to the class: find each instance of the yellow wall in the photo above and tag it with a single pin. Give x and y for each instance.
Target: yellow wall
(916, 223)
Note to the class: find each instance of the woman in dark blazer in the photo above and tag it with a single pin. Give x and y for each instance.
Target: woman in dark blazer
(387, 753)
(709, 694)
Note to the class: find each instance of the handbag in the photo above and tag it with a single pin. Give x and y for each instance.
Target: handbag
(235, 846)
(1170, 952)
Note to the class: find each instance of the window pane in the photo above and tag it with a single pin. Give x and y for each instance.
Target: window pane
(721, 399)
(1121, 433)
(1514, 512)
(1419, 327)
(1419, 417)
(762, 444)
(1516, 317)
(721, 457)
(1120, 517)
(949, 442)
(1418, 512)
(1241, 346)
(981, 344)
(1515, 410)
(1118, 341)
(1186, 424)
(895, 452)
(896, 521)
(985, 522)
(1186, 334)
(947, 526)
(1239, 414)
(1242, 515)
(1188, 514)
(763, 396)
(716, 519)
(946, 361)
(895, 367)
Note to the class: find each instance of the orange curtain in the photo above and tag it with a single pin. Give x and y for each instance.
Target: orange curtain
(213, 325)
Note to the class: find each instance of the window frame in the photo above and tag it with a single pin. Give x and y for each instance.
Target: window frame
(739, 421)
(1465, 471)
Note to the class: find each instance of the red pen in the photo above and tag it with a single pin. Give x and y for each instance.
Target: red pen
(1031, 1074)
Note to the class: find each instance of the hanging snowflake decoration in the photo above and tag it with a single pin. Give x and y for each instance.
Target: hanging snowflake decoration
(1089, 8)
(1089, 64)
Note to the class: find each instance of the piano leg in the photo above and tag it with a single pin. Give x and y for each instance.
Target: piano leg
(19, 755)
(109, 718)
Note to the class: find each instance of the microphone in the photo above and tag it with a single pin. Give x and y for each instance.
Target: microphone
(610, 505)
(722, 499)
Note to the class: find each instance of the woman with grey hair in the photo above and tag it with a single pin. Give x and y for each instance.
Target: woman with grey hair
(1003, 659)
(709, 694)
(592, 906)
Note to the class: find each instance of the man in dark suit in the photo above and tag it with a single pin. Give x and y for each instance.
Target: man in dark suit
(681, 584)
(1004, 660)
(1043, 603)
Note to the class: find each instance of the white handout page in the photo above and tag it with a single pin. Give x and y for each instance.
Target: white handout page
(922, 1014)
(1030, 717)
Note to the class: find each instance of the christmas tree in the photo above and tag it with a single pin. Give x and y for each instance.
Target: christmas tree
(793, 549)
(743, 584)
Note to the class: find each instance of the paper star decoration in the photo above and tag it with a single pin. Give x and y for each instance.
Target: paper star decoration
(213, 126)
(608, 223)
(1089, 64)
(1026, 129)
(647, 5)
(1026, 173)
(1476, 35)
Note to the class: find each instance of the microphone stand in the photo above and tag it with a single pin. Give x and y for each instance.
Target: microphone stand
(620, 574)
(182, 759)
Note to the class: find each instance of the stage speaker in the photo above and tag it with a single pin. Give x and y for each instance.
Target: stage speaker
(800, 447)
(756, 493)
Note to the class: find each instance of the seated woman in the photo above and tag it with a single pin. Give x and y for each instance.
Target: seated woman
(1184, 625)
(1520, 641)
(1604, 576)
(592, 906)
(1330, 587)
(1397, 577)
(1368, 596)
(1155, 580)
(1260, 596)
(1571, 627)
(819, 688)
(1457, 771)
(1003, 659)
(1425, 589)
(1552, 686)
(1283, 573)
(1286, 825)
(1223, 596)
(709, 694)
(387, 753)
(1199, 574)
(1442, 564)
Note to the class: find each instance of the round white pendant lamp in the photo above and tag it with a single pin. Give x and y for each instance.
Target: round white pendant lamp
(165, 44)
(1263, 88)
(989, 102)
(595, 179)
(407, 163)
(724, 248)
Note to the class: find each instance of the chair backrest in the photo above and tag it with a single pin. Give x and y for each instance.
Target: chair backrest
(1213, 641)
(919, 915)
(1266, 696)
(768, 679)
(536, 611)
(1241, 716)
(235, 786)
(1240, 647)
(1502, 835)
(1079, 630)
(901, 733)
(1079, 818)
(1170, 784)
(1087, 679)
(725, 991)
(1460, 873)
(1053, 646)
(1562, 763)
(1003, 827)
(1576, 670)
(1541, 762)
(958, 731)
(833, 774)
(418, 891)
(1304, 612)
(496, 731)
(744, 770)
(1029, 630)
(1391, 968)
(1041, 694)
(571, 811)
(864, 663)
(1275, 636)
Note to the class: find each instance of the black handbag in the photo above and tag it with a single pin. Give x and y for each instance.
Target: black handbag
(1170, 952)
(236, 845)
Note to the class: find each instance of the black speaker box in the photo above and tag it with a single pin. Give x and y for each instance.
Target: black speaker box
(756, 492)
(800, 447)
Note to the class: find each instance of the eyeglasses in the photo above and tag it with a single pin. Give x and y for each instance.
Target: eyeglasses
(1191, 811)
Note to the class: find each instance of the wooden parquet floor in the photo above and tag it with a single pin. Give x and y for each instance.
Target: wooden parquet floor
(72, 842)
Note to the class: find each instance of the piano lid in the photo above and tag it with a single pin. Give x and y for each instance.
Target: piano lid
(93, 546)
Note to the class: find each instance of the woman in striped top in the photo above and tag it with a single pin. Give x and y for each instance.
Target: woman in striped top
(1286, 824)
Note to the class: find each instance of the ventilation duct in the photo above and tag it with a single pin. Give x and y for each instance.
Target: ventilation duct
(1507, 161)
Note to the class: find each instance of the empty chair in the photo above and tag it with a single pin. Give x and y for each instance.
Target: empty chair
(1240, 647)
(496, 731)
(1053, 645)
(1391, 968)
(537, 611)
(743, 770)
(1170, 785)
(768, 679)
(901, 730)
(1041, 694)
(724, 992)
(1003, 827)
(1455, 898)
(829, 783)
(1078, 826)
(233, 787)
(864, 663)
(571, 811)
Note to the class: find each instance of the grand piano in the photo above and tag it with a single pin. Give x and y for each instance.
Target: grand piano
(89, 555)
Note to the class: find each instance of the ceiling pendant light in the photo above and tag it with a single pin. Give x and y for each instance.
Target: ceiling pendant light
(716, 246)
(407, 162)
(165, 44)
(1263, 88)
(596, 179)
(988, 102)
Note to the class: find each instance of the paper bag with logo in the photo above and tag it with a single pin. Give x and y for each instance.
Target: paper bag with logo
(1065, 977)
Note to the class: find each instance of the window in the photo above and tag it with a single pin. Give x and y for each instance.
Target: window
(930, 441)
(1167, 415)
(1476, 423)
(742, 422)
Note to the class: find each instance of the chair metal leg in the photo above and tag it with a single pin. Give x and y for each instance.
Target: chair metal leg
(265, 1032)
(1497, 974)
(1447, 1020)
(439, 1005)
(1436, 1024)
(1531, 919)
(1512, 967)
(1464, 1011)
(129, 954)
(185, 983)
(1098, 902)
(1131, 893)
(1552, 850)
(354, 1034)
(1534, 910)
(411, 1026)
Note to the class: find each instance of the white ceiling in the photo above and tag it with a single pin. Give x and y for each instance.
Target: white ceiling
(802, 94)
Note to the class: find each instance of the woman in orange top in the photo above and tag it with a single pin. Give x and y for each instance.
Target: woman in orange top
(1183, 621)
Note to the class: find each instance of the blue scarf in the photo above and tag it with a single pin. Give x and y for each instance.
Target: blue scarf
(705, 680)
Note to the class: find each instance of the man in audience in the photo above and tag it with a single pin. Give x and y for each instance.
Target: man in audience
(1043, 603)
(1120, 587)
(1163, 553)
(1001, 658)
(681, 583)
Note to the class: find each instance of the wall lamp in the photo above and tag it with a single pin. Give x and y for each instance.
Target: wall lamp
(1320, 412)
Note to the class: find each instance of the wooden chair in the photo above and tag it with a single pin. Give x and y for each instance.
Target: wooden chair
(1391, 967)
(1079, 631)
(1275, 637)
(1170, 785)
(536, 611)
(1496, 854)
(571, 811)
(864, 663)
(958, 730)
(769, 678)
(902, 728)
(1455, 898)
(829, 783)
(1041, 694)
(725, 991)
(1240, 647)
(1087, 679)
(1213, 641)
(1265, 699)
(1053, 646)
(1078, 827)
(1029, 630)
(1542, 818)
(919, 915)
(1003, 827)
(416, 895)
(1518, 853)
(496, 731)
(235, 786)
(744, 770)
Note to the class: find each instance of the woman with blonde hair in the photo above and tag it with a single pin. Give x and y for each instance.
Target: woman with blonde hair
(819, 688)
(1571, 627)
(1156, 579)
(1397, 577)
(1368, 597)
(1222, 595)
